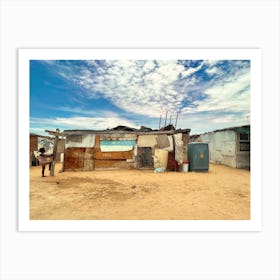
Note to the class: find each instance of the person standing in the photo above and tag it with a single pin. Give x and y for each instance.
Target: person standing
(45, 159)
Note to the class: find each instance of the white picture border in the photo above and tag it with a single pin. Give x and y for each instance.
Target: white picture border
(254, 224)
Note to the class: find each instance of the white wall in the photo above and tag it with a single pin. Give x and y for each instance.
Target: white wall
(222, 147)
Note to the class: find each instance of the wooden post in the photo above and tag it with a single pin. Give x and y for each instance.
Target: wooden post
(54, 153)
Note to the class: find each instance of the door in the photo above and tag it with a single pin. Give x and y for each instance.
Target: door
(145, 159)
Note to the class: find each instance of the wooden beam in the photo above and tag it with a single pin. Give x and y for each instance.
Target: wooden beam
(55, 133)
(54, 152)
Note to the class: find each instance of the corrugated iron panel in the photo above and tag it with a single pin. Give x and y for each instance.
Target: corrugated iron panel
(74, 159)
(79, 159)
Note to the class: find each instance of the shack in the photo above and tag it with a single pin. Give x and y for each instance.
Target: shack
(39, 141)
(125, 148)
(229, 146)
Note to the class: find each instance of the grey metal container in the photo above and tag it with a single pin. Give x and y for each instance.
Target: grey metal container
(198, 154)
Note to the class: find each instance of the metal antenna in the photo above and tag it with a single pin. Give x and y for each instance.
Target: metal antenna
(165, 118)
(159, 122)
(176, 119)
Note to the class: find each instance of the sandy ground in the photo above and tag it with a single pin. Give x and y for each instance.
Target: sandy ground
(222, 193)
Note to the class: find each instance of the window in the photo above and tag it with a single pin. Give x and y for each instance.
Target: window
(244, 142)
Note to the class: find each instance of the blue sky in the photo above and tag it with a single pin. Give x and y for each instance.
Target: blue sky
(101, 94)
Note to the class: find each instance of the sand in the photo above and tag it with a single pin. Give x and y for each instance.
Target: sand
(223, 193)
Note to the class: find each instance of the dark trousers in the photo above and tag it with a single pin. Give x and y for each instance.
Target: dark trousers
(44, 166)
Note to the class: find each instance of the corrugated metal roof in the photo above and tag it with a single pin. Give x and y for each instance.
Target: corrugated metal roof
(242, 129)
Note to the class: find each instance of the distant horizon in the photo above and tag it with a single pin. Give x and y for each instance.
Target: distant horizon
(102, 94)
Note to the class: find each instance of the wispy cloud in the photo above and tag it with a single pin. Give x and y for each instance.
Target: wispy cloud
(80, 122)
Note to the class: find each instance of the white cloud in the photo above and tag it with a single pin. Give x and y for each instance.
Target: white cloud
(133, 85)
(94, 123)
(191, 71)
(228, 94)
(152, 87)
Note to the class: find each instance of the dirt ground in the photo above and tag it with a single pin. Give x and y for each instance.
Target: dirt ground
(223, 193)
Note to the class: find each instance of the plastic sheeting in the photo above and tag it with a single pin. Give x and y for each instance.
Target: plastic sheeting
(163, 141)
(147, 140)
(80, 141)
(179, 146)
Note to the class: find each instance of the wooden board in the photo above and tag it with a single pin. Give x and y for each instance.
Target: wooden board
(113, 164)
(114, 155)
(97, 141)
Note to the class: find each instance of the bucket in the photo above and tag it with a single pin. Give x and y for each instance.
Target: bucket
(185, 166)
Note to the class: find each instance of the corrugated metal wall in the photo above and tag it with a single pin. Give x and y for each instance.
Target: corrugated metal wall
(224, 149)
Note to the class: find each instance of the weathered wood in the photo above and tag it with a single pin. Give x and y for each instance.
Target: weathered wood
(55, 133)
(54, 153)
(113, 164)
(97, 141)
(114, 155)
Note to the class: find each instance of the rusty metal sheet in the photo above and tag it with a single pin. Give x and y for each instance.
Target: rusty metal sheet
(74, 159)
